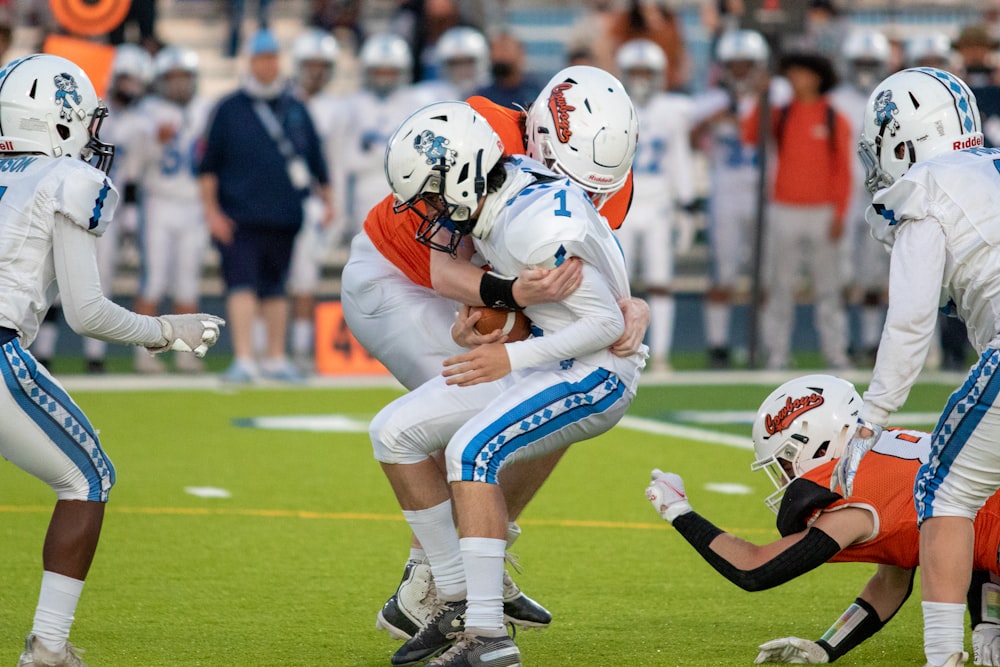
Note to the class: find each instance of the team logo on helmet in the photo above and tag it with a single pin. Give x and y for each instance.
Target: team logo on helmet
(560, 108)
(792, 410)
(434, 148)
(885, 109)
(67, 97)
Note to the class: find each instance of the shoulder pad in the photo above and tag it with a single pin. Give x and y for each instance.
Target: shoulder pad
(801, 499)
(87, 197)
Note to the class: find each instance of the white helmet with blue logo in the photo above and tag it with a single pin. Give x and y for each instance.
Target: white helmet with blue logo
(436, 163)
(914, 115)
(641, 66)
(48, 105)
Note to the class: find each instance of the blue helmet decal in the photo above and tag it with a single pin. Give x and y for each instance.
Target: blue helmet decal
(434, 148)
(885, 109)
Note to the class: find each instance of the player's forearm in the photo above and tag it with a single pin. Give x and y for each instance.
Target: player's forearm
(455, 278)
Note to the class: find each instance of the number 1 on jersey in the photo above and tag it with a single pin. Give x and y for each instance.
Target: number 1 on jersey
(562, 211)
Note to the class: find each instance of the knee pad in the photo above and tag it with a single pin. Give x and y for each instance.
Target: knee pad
(391, 444)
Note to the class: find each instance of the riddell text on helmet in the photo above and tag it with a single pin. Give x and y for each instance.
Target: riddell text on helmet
(975, 141)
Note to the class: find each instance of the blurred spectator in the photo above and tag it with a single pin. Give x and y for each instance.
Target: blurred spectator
(663, 183)
(808, 207)
(174, 236)
(511, 85)
(719, 17)
(422, 22)
(339, 17)
(462, 65)
(142, 15)
(262, 158)
(7, 23)
(655, 21)
(867, 55)
(826, 29)
(236, 10)
(976, 49)
(733, 176)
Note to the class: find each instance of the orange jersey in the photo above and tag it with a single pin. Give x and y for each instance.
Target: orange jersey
(393, 234)
(884, 485)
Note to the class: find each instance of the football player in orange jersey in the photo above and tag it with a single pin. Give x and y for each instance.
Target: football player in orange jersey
(799, 432)
(393, 288)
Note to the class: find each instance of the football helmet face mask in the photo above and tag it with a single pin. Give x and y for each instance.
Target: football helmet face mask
(583, 125)
(386, 62)
(176, 72)
(48, 105)
(436, 164)
(914, 115)
(803, 424)
(642, 66)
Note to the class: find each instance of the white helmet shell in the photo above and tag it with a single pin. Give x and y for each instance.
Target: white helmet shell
(641, 55)
(803, 424)
(438, 160)
(132, 60)
(48, 105)
(867, 45)
(386, 51)
(314, 44)
(928, 47)
(746, 45)
(914, 115)
(583, 125)
(461, 44)
(175, 59)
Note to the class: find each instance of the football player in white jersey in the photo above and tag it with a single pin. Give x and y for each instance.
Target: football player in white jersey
(55, 208)
(173, 235)
(663, 173)
(462, 59)
(314, 57)
(498, 402)
(935, 206)
(733, 176)
(867, 53)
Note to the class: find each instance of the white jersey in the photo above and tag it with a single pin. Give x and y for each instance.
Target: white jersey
(662, 170)
(732, 163)
(539, 220)
(941, 221)
(124, 128)
(166, 151)
(851, 103)
(41, 257)
(365, 126)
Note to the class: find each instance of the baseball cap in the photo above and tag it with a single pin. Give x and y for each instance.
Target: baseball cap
(263, 42)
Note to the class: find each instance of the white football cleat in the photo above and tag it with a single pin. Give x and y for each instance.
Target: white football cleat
(36, 655)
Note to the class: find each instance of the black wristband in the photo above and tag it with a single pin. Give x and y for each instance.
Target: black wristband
(497, 291)
(859, 622)
(131, 193)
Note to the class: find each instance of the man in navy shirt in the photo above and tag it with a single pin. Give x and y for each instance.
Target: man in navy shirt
(262, 157)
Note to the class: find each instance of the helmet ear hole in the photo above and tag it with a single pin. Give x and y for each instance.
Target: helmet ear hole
(899, 151)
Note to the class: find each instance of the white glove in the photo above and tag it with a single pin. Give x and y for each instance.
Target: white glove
(850, 459)
(792, 651)
(986, 644)
(189, 333)
(666, 492)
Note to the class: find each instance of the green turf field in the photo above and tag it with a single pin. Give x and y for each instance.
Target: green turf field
(293, 566)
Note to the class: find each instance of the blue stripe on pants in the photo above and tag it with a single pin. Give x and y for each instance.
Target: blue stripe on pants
(49, 406)
(962, 414)
(535, 418)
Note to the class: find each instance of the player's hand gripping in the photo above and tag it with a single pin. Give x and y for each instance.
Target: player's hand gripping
(636, 313)
(792, 651)
(666, 493)
(986, 644)
(485, 363)
(535, 286)
(463, 331)
(189, 333)
(860, 443)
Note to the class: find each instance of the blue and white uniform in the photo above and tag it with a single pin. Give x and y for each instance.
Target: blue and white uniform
(940, 220)
(52, 211)
(566, 385)
(173, 233)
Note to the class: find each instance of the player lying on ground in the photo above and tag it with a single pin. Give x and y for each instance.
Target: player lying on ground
(799, 432)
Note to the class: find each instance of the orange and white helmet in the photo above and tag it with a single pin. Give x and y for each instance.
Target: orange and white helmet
(803, 424)
(583, 125)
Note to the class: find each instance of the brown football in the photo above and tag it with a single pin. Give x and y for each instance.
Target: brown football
(514, 323)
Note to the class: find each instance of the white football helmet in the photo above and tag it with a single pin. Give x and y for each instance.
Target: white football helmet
(48, 105)
(803, 424)
(131, 74)
(642, 65)
(169, 61)
(314, 55)
(386, 62)
(914, 115)
(747, 45)
(463, 56)
(583, 125)
(929, 50)
(867, 53)
(436, 163)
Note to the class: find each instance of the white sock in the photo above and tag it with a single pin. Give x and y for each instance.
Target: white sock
(417, 554)
(871, 326)
(661, 326)
(513, 532)
(483, 558)
(93, 349)
(56, 607)
(259, 337)
(302, 338)
(717, 324)
(44, 346)
(435, 529)
(944, 632)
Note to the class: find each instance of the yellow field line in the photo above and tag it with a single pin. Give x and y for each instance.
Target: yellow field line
(351, 516)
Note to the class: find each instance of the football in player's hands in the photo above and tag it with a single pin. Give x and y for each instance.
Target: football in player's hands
(513, 323)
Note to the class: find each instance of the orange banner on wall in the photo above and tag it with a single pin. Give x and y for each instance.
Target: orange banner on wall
(337, 351)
